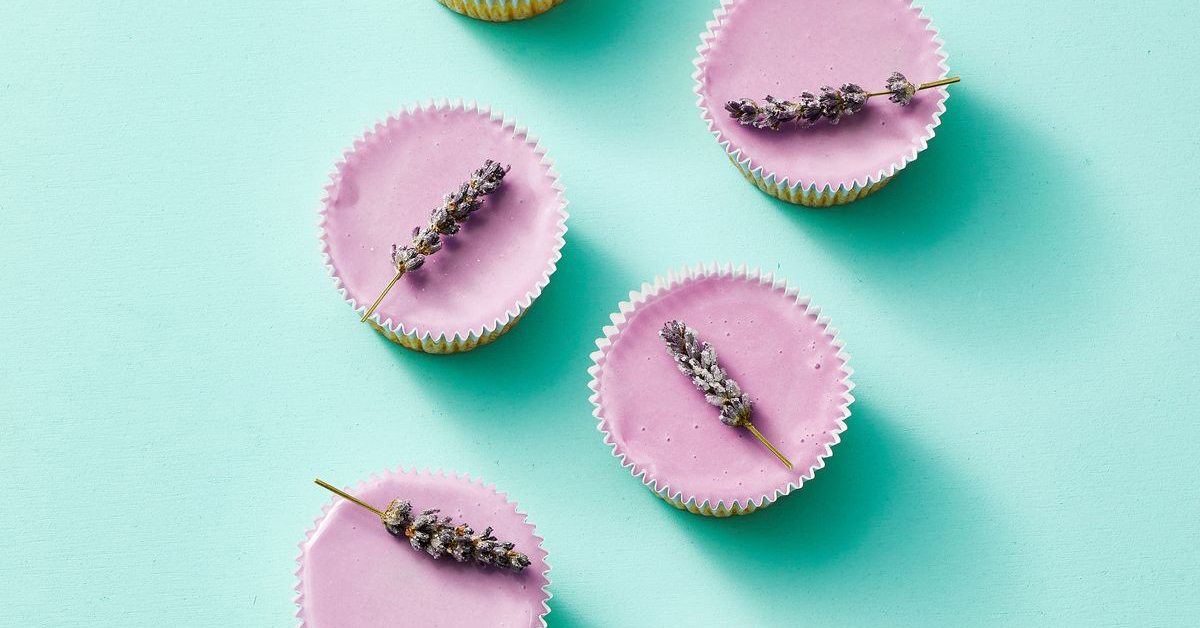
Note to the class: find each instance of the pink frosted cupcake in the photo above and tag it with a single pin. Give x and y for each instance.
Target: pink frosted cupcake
(363, 569)
(783, 48)
(483, 277)
(500, 10)
(687, 446)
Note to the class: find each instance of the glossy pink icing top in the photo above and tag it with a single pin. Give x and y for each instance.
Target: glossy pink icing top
(784, 47)
(354, 573)
(491, 269)
(776, 350)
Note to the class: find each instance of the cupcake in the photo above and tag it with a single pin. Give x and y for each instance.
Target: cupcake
(486, 274)
(783, 48)
(685, 445)
(358, 568)
(500, 10)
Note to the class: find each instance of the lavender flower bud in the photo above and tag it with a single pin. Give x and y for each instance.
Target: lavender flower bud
(902, 91)
(744, 110)
(517, 561)
(487, 178)
(426, 241)
(780, 111)
(406, 258)
(456, 197)
(463, 209)
(426, 519)
(440, 542)
(853, 98)
(831, 104)
(462, 549)
(398, 516)
(808, 109)
(737, 412)
(442, 221)
(400, 255)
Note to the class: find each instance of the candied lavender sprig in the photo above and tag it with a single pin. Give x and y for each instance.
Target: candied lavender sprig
(456, 207)
(830, 104)
(438, 536)
(698, 360)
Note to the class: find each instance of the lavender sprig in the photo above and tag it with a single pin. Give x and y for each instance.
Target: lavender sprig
(830, 104)
(698, 361)
(437, 536)
(456, 207)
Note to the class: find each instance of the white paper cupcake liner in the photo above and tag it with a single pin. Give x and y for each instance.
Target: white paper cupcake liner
(500, 10)
(677, 497)
(459, 340)
(388, 473)
(806, 192)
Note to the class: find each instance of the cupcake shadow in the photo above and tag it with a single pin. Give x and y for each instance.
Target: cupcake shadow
(595, 41)
(931, 197)
(563, 615)
(540, 360)
(826, 517)
(993, 202)
(883, 507)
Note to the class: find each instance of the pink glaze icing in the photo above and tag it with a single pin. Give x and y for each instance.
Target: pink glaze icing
(784, 47)
(354, 573)
(783, 356)
(488, 272)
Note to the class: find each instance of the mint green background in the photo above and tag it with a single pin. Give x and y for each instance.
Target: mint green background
(1021, 304)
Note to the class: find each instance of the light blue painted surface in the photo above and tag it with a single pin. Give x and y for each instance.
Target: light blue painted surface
(1021, 304)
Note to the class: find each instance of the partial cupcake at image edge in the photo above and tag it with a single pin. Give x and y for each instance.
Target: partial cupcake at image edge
(762, 398)
(450, 219)
(500, 10)
(855, 144)
(378, 557)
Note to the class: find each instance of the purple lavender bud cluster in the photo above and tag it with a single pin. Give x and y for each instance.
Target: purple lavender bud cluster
(744, 110)
(902, 91)
(848, 100)
(456, 207)
(698, 361)
(438, 536)
(831, 104)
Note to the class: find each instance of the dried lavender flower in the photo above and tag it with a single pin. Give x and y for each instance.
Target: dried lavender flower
(698, 361)
(902, 91)
(809, 108)
(835, 103)
(853, 98)
(438, 536)
(456, 207)
(743, 109)
(776, 112)
(832, 104)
